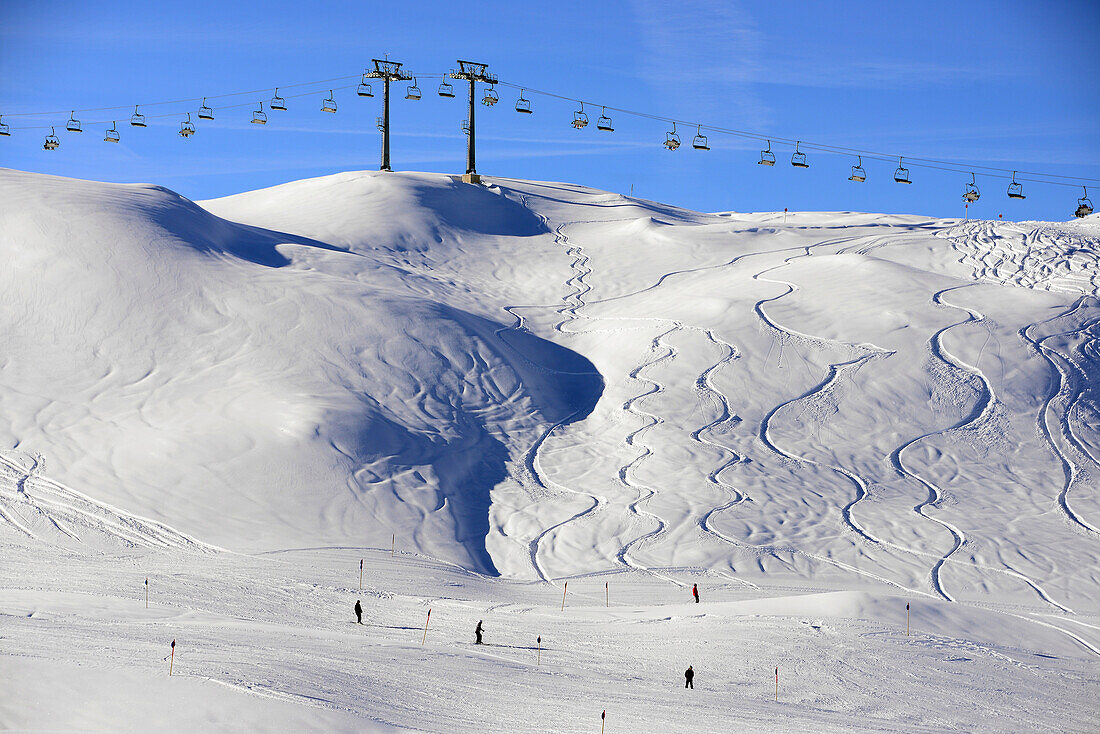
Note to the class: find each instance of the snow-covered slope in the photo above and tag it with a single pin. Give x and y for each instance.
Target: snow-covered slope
(547, 382)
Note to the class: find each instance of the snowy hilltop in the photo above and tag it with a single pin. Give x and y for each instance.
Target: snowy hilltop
(499, 388)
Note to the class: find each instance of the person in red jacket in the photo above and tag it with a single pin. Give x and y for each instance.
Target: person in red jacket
(695, 592)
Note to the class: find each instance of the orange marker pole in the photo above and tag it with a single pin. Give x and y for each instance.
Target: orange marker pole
(360, 574)
(563, 591)
(539, 641)
(172, 661)
(784, 215)
(429, 619)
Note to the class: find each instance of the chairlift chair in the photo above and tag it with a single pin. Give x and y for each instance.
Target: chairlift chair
(798, 160)
(700, 140)
(4, 129)
(604, 122)
(579, 118)
(329, 104)
(205, 113)
(187, 128)
(446, 89)
(491, 97)
(380, 124)
(971, 194)
(858, 174)
(901, 173)
(277, 102)
(1015, 190)
(672, 140)
(259, 117)
(413, 92)
(466, 126)
(52, 142)
(1084, 206)
(137, 119)
(73, 125)
(767, 158)
(111, 136)
(364, 89)
(523, 104)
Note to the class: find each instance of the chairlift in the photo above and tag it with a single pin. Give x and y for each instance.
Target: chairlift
(1015, 190)
(259, 117)
(364, 89)
(205, 113)
(138, 119)
(277, 102)
(52, 142)
(491, 97)
(4, 129)
(413, 92)
(111, 135)
(1084, 206)
(187, 128)
(700, 140)
(579, 118)
(523, 104)
(446, 89)
(798, 160)
(329, 105)
(971, 194)
(604, 123)
(901, 174)
(672, 140)
(858, 174)
(767, 158)
(466, 126)
(73, 125)
(380, 124)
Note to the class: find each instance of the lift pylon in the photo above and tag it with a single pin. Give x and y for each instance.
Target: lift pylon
(473, 73)
(388, 71)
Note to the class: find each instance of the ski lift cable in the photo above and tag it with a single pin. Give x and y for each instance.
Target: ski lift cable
(839, 150)
(237, 105)
(930, 163)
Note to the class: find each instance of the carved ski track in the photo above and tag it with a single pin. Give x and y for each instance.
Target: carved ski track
(58, 503)
(1069, 468)
(835, 371)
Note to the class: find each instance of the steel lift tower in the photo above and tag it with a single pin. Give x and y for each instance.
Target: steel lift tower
(473, 73)
(387, 71)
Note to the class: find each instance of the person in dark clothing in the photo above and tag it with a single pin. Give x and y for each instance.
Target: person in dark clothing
(689, 676)
(695, 592)
(477, 632)
(358, 611)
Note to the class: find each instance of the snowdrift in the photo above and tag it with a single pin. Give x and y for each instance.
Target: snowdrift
(544, 380)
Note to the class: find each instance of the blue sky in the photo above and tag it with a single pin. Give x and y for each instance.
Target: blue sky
(1001, 84)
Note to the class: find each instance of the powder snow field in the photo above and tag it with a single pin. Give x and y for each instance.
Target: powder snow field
(817, 417)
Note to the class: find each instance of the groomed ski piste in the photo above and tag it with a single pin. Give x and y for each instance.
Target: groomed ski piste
(509, 398)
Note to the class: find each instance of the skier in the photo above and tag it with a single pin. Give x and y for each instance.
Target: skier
(689, 676)
(358, 611)
(695, 592)
(477, 632)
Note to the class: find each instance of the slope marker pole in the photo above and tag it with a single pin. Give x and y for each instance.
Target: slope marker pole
(563, 592)
(146, 592)
(606, 594)
(360, 574)
(777, 684)
(906, 619)
(172, 660)
(539, 641)
(425, 637)
(393, 544)
(603, 720)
